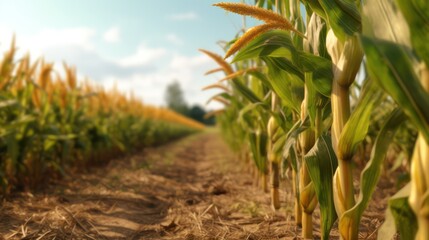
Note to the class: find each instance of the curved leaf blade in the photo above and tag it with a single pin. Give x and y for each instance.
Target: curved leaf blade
(286, 86)
(322, 163)
(343, 17)
(416, 13)
(274, 43)
(356, 127)
(245, 91)
(399, 217)
(389, 65)
(371, 173)
(321, 69)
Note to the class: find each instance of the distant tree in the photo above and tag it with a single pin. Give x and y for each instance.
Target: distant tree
(197, 113)
(175, 99)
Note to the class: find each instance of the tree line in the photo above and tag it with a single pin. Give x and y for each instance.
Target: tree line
(175, 100)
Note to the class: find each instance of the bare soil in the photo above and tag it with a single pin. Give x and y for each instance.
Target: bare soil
(194, 188)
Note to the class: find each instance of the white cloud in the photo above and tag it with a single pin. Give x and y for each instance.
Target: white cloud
(147, 72)
(112, 35)
(184, 62)
(143, 56)
(184, 16)
(187, 70)
(49, 38)
(174, 39)
(93, 64)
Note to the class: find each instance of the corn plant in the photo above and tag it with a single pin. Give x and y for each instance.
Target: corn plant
(401, 54)
(309, 77)
(51, 124)
(249, 134)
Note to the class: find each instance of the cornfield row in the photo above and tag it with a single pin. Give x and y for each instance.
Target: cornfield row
(51, 124)
(295, 99)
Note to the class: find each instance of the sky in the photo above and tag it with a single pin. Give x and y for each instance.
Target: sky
(137, 45)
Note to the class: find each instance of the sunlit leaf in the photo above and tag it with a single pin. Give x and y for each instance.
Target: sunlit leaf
(343, 16)
(371, 173)
(389, 65)
(399, 217)
(322, 163)
(356, 127)
(416, 13)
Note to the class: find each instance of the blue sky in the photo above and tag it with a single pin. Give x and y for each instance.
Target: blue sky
(140, 45)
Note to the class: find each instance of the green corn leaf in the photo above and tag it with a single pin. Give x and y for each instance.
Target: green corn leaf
(261, 77)
(48, 144)
(298, 23)
(343, 16)
(371, 173)
(291, 160)
(227, 96)
(278, 51)
(356, 127)
(279, 144)
(287, 66)
(286, 86)
(311, 96)
(290, 155)
(260, 3)
(8, 103)
(253, 143)
(13, 149)
(118, 143)
(263, 145)
(321, 70)
(389, 65)
(245, 91)
(383, 20)
(223, 95)
(280, 118)
(22, 121)
(258, 146)
(416, 13)
(269, 4)
(322, 163)
(246, 118)
(61, 137)
(286, 117)
(292, 138)
(399, 217)
(254, 107)
(274, 43)
(257, 85)
(316, 7)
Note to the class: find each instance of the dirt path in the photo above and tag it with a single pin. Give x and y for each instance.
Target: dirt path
(189, 189)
